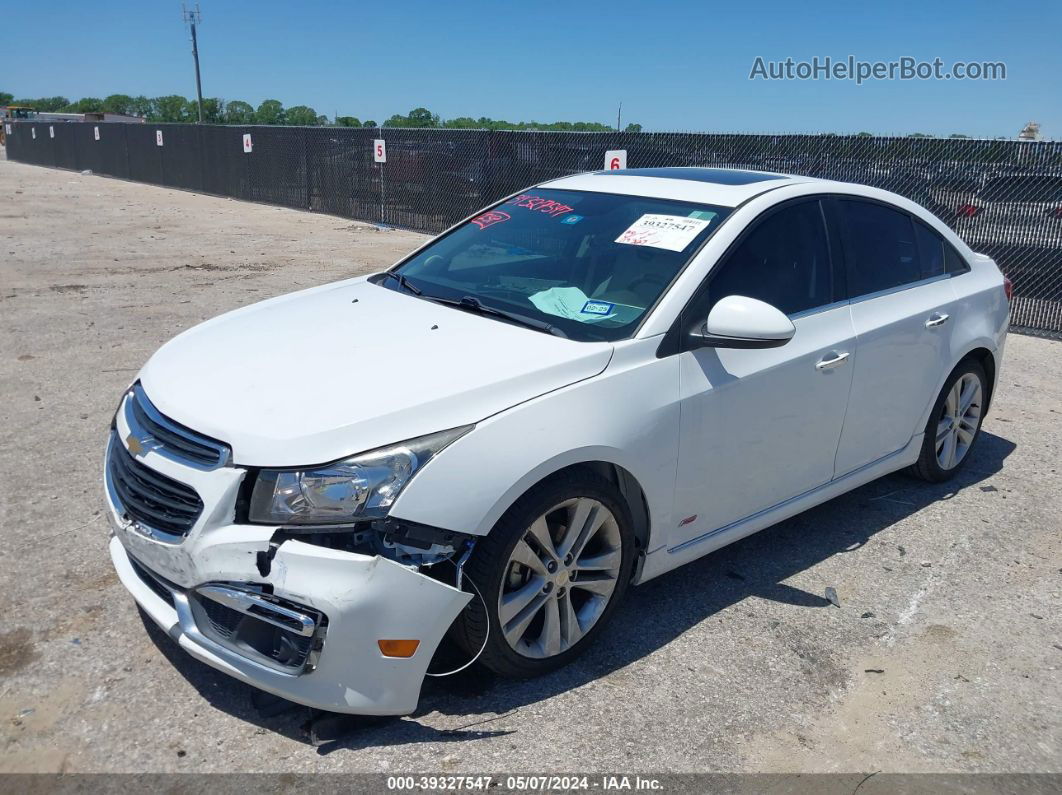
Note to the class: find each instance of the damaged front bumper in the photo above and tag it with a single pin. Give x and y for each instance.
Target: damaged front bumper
(306, 626)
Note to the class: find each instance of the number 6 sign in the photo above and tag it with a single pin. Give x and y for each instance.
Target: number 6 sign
(615, 159)
(379, 150)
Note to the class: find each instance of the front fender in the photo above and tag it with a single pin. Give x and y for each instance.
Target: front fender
(627, 416)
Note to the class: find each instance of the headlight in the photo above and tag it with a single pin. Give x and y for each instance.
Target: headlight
(362, 487)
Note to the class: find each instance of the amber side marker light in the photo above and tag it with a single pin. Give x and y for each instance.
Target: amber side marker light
(398, 648)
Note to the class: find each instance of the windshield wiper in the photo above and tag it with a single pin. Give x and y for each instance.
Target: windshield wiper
(403, 281)
(472, 304)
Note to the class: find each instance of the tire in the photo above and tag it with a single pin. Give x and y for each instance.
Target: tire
(959, 427)
(512, 563)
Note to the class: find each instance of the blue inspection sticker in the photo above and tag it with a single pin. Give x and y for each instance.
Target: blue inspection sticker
(571, 219)
(597, 308)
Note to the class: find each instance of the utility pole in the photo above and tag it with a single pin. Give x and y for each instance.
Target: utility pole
(191, 19)
(619, 116)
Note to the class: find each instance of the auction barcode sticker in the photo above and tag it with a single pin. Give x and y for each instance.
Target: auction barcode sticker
(671, 232)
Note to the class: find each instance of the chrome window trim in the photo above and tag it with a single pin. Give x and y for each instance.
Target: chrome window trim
(901, 287)
(817, 309)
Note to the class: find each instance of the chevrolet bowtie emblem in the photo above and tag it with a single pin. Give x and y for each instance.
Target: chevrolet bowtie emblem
(134, 445)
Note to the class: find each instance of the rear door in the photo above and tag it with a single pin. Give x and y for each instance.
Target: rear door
(902, 311)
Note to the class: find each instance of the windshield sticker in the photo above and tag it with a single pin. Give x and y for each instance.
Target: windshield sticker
(671, 232)
(490, 218)
(571, 219)
(597, 308)
(540, 204)
(570, 303)
(706, 215)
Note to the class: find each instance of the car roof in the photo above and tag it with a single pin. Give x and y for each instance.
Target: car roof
(727, 187)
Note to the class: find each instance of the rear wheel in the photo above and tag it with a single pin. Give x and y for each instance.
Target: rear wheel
(954, 424)
(551, 572)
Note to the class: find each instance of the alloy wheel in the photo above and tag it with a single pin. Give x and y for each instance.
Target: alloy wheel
(959, 421)
(560, 577)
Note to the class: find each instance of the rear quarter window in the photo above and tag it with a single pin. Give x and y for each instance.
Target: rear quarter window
(938, 256)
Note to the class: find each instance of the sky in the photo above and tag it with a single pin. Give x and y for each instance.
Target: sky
(674, 64)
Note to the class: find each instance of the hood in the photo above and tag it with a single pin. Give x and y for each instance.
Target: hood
(337, 370)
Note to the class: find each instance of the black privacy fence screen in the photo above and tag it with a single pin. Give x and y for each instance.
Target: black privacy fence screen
(1003, 197)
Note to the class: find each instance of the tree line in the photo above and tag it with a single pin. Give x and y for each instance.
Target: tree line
(175, 108)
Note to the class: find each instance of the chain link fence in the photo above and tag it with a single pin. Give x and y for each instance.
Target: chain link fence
(1003, 197)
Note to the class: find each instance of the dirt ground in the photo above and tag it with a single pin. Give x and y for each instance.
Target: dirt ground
(943, 656)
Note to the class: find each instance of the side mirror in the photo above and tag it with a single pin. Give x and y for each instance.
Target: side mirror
(740, 322)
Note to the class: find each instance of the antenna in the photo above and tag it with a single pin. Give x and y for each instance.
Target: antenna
(191, 19)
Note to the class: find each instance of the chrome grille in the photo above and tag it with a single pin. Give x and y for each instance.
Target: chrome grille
(149, 497)
(169, 436)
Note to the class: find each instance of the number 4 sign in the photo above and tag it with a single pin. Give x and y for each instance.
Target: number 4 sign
(379, 150)
(248, 145)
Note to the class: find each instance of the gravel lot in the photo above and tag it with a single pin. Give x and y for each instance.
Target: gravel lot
(944, 654)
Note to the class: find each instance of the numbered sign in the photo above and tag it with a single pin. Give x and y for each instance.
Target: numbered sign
(51, 131)
(615, 159)
(158, 137)
(33, 133)
(7, 129)
(96, 133)
(379, 150)
(248, 145)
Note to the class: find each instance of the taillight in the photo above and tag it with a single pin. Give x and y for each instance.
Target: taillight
(967, 211)
(1008, 287)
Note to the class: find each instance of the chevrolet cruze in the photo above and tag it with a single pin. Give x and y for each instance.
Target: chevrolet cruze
(576, 390)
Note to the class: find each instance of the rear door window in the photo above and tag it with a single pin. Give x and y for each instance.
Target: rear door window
(881, 251)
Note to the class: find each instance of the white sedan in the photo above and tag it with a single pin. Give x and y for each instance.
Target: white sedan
(577, 389)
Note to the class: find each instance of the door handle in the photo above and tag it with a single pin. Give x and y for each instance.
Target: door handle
(833, 361)
(937, 319)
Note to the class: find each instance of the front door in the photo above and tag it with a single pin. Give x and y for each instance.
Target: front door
(759, 427)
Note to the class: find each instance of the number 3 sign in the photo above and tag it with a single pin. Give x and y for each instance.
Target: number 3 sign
(379, 150)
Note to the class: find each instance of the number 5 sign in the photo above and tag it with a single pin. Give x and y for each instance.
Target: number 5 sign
(379, 150)
(615, 159)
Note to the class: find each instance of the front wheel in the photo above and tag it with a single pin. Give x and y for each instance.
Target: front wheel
(954, 424)
(551, 573)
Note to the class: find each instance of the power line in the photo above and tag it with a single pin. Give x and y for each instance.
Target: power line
(191, 19)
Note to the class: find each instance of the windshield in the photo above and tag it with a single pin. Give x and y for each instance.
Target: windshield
(588, 264)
